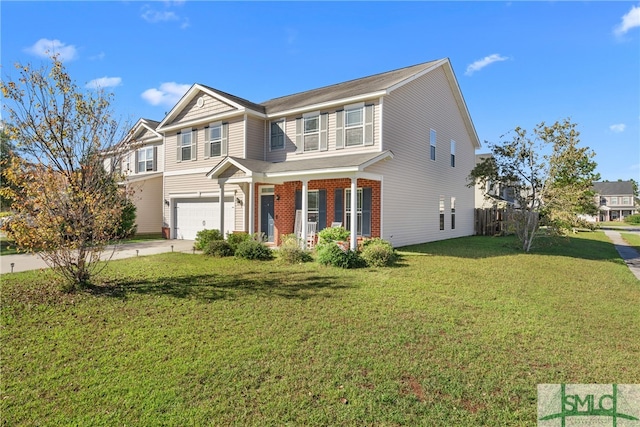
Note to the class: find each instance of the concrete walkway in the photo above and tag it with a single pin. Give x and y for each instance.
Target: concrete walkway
(25, 262)
(630, 256)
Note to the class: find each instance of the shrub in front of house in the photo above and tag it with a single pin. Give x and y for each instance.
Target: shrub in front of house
(291, 252)
(234, 239)
(338, 254)
(378, 252)
(253, 249)
(632, 219)
(218, 248)
(203, 237)
(332, 234)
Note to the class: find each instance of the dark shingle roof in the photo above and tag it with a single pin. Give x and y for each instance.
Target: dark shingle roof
(613, 188)
(346, 89)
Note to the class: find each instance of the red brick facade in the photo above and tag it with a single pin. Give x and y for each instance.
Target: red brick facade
(285, 210)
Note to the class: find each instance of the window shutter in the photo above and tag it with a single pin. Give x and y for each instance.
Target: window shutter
(194, 146)
(324, 124)
(179, 144)
(225, 139)
(368, 124)
(366, 212)
(298, 200)
(322, 209)
(299, 145)
(339, 129)
(155, 158)
(136, 165)
(338, 210)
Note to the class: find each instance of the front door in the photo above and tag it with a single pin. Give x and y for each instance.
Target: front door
(266, 216)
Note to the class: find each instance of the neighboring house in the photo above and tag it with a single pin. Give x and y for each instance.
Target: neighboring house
(615, 200)
(493, 194)
(141, 163)
(385, 156)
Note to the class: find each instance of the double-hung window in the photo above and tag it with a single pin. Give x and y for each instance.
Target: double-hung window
(313, 206)
(354, 126)
(126, 163)
(277, 135)
(441, 209)
(453, 213)
(145, 160)
(312, 133)
(186, 145)
(213, 147)
(614, 200)
(347, 210)
(432, 144)
(453, 153)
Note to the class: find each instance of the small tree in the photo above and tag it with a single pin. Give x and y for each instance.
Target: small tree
(67, 205)
(548, 174)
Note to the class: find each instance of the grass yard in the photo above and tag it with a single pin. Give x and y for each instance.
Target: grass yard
(458, 334)
(632, 239)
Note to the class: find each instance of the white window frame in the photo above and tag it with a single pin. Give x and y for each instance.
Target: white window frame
(453, 213)
(432, 144)
(347, 209)
(191, 145)
(453, 153)
(212, 142)
(614, 200)
(441, 211)
(313, 212)
(126, 163)
(350, 128)
(281, 125)
(145, 160)
(316, 132)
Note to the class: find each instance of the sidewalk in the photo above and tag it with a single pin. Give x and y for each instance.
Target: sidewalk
(628, 253)
(26, 262)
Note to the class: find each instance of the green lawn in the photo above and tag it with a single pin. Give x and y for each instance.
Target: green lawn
(458, 334)
(632, 239)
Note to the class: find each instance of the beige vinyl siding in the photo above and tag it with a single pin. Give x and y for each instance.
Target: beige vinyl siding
(211, 107)
(235, 147)
(255, 138)
(194, 186)
(289, 153)
(145, 135)
(412, 182)
(147, 197)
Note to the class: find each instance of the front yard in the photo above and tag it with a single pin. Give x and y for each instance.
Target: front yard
(459, 333)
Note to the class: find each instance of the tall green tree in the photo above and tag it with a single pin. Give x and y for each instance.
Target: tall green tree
(67, 206)
(549, 174)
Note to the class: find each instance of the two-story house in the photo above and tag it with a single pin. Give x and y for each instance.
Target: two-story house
(141, 162)
(385, 156)
(615, 200)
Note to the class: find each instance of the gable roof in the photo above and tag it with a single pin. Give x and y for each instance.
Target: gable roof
(363, 86)
(613, 188)
(341, 93)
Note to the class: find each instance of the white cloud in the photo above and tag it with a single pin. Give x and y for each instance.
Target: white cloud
(155, 16)
(44, 48)
(617, 128)
(104, 82)
(481, 63)
(629, 21)
(168, 94)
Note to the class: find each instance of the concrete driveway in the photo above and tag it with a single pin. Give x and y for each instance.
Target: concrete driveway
(25, 262)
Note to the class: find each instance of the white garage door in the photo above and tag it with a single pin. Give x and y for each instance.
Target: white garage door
(193, 215)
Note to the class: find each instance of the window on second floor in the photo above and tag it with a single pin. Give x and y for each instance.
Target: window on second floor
(213, 145)
(453, 153)
(277, 135)
(626, 200)
(614, 200)
(432, 144)
(145, 160)
(312, 133)
(126, 163)
(186, 145)
(353, 127)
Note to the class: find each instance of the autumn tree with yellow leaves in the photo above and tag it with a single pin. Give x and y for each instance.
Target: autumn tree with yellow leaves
(67, 207)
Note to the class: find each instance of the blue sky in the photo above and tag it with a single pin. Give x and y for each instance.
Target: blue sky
(517, 63)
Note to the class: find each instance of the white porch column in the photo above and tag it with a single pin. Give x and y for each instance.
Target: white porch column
(222, 208)
(305, 216)
(250, 203)
(354, 213)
